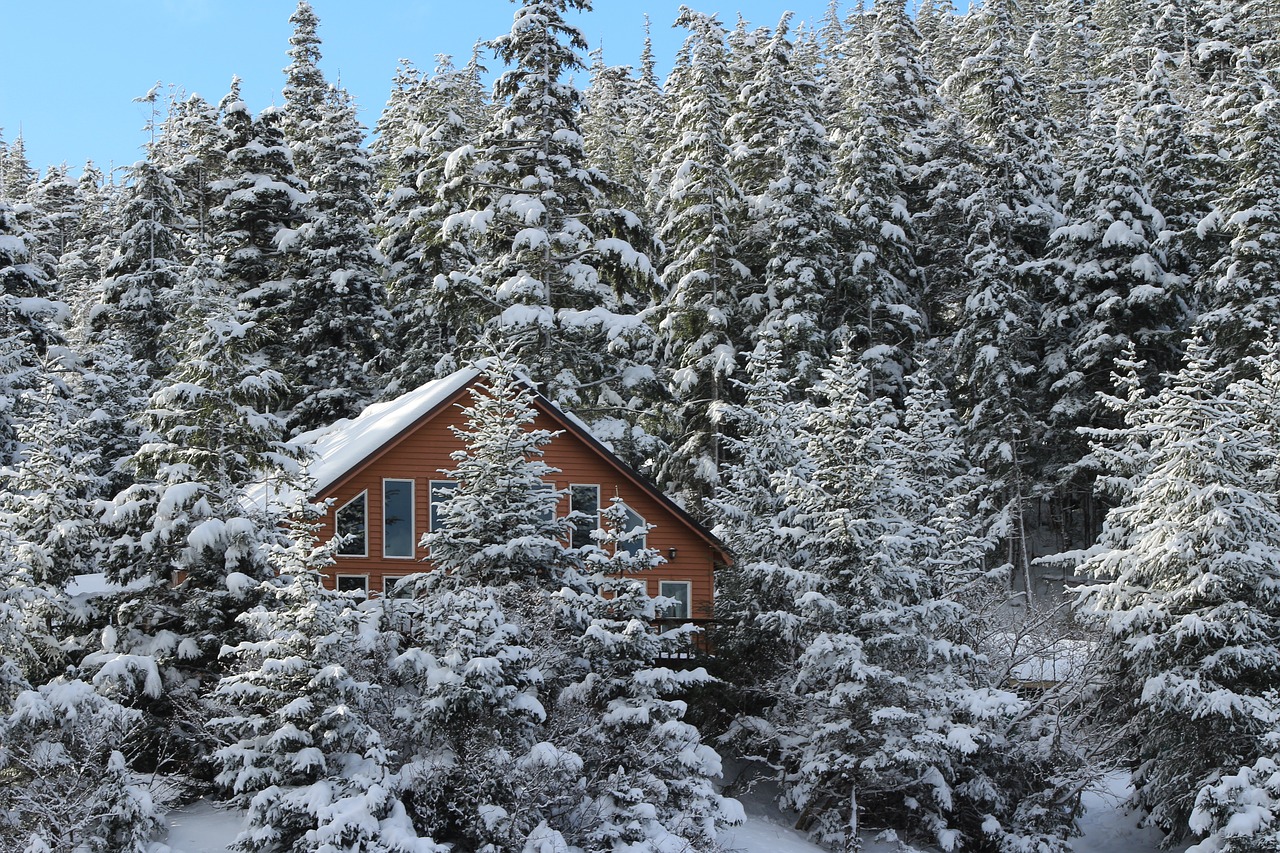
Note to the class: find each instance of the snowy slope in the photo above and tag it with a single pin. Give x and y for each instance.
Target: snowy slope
(1108, 828)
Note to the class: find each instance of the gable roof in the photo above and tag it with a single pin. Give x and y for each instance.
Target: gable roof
(344, 447)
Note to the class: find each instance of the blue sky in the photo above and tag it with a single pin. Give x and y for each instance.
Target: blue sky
(70, 69)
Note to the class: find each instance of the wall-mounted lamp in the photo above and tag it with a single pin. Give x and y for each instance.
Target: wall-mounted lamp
(671, 553)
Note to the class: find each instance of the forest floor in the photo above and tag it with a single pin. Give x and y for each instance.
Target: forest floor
(1108, 827)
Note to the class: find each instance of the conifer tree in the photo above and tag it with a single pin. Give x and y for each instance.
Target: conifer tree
(700, 330)
(440, 115)
(339, 329)
(554, 271)
(182, 533)
(1187, 588)
(1241, 292)
(305, 91)
(135, 300)
(1110, 295)
(305, 754)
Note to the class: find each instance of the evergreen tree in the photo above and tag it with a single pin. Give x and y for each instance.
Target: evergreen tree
(700, 327)
(1241, 292)
(1187, 590)
(1110, 295)
(498, 526)
(339, 328)
(305, 91)
(554, 272)
(441, 114)
(254, 227)
(305, 755)
(135, 301)
(182, 534)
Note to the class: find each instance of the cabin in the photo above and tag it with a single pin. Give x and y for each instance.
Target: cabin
(382, 473)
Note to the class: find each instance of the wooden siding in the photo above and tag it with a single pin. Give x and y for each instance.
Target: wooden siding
(423, 452)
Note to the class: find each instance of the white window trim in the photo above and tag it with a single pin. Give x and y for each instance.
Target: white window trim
(431, 484)
(336, 532)
(337, 580)
(413, 521)
(688, 597)
(595, 486)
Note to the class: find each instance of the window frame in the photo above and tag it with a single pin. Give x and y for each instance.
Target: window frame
(337, 531)
(688, 599)
(639, 544)
(573, 531)
(390, 581)
(431, 502)
(413, 521)
(339, 577)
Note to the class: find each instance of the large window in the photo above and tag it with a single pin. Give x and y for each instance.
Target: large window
(634, 533)
(584, 500)
(397, 518)
(440, 490)
(352, 525)
(679, 592)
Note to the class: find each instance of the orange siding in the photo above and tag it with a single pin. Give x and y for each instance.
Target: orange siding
(421, 454)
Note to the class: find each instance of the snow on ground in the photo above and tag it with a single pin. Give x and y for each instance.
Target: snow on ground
(1109, 827)
(202, 827)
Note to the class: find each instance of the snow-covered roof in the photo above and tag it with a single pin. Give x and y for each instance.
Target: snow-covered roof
(342, 445)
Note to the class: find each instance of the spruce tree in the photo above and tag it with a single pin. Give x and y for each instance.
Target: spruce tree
(554, 272)
(339, 331)
(1187, 590)
(699, 329)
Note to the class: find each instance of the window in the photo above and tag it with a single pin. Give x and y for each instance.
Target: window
(353, 583)
(397, 518)
(392, 588)
(351, 522)
(679, 591)
(548, 514)
(586, 500)
(634, 533)
(438, 492)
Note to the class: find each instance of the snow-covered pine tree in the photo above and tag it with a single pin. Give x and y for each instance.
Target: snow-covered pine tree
(135, 300)
(30, 321)
(182, 533)
(300, 714)
(757, 598)
(440, 115)
(700, 331)
(254, 226)
(339, 331)
(557, 271)
(1241, 291)
(784, 167)
(192, 151)
(305, 91)
(889, 717)
(1187, 590)
(1110, 294)
(67, 785)
(877, 303)
(498, 526)
(648, 774)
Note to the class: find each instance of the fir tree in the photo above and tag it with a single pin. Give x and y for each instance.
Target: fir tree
(339, 328)
(555, 271)
(1187, 589)
(699, 327)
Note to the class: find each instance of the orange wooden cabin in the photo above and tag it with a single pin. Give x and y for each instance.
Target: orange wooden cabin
(383, 471)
